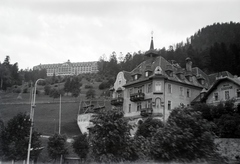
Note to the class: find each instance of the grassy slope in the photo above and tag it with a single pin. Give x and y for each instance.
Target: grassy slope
(47, 110)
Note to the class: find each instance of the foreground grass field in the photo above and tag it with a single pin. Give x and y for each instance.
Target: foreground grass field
(46, 116)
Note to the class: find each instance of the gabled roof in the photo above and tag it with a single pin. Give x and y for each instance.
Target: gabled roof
(213, 77)
(217, 82)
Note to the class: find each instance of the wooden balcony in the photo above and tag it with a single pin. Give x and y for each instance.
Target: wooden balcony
(137, 97)
(145, 112)
(117, 101)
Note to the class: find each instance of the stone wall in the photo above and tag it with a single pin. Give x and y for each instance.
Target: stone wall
(229, 148)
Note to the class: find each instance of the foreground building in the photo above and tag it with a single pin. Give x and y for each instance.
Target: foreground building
(156, 86)
(68, 68)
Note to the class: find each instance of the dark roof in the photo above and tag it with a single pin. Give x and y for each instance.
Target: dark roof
(151, 64)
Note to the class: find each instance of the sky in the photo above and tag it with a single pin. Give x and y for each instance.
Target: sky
(54, 31)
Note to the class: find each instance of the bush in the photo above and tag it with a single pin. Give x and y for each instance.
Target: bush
(47, 89)
(149, 127)
(81, 146)
(228, 126)
(205, 110)
(186, 136)
(57, 146)
(25, 90)
(88, 86)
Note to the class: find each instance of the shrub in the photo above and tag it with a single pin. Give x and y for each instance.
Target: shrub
(81, 146)
(25, 90)
(57, 146)
(149, 127)
(47, 89)
(186, 136)
(88, 86)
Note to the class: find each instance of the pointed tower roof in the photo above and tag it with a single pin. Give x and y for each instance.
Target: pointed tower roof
(151, 52)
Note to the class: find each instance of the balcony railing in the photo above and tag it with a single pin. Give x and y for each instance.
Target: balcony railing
(137, 97)
(145, 112)
(117, 101)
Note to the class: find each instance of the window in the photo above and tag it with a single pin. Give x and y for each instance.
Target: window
(149, 88)
(169, 88)
(146, 74)
(215, 96)
(181, 91)
(130, 92)
(135, 77)
(188, 92)
(139, 106)
(140, 89)
(158, 86)
(238, 93)
(148, 104)
(129, 108)
(227, 95)
(169, 105)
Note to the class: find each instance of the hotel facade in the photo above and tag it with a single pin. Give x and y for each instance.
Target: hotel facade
(68, 68)
(155, 87)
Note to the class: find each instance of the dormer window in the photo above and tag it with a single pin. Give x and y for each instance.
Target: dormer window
(189, 78)
(238, 93)
(201, 80)
(169, 70)
(158, 70)
(146, 74)
(135, 77)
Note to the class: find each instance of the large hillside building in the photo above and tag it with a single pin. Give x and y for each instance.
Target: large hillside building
(68, 68)
(156, 86)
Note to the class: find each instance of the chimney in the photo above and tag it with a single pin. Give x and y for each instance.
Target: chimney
(188, 64)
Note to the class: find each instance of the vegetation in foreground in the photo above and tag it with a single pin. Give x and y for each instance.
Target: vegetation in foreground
(185, 137)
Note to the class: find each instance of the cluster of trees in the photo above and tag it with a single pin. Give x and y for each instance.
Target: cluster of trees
(223, 118)
(14, 139)
(10, 74)
(185, 136)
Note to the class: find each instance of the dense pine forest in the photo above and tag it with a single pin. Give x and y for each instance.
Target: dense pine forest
(213, 48)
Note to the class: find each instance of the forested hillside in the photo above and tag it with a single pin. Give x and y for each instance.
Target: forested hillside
(213, 48)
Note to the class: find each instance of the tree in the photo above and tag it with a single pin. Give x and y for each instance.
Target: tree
(90, 94)
(15, 138)
(47, 89)
(114, 131)
(1, 142)
(67, 87)
(57, 146)
(81, 145)
(186, 136)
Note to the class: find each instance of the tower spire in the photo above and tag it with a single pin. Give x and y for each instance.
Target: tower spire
(152, 45)
(151, 52)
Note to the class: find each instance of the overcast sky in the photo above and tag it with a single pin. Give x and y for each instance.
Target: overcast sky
(53, 31)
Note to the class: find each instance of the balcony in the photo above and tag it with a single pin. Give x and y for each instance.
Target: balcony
(117, 101)
(137, 97)
(145, 112)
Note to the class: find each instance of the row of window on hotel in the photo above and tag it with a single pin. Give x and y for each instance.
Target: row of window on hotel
(226, 95)
(148, 104)
(158, 88)
(68, 69)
